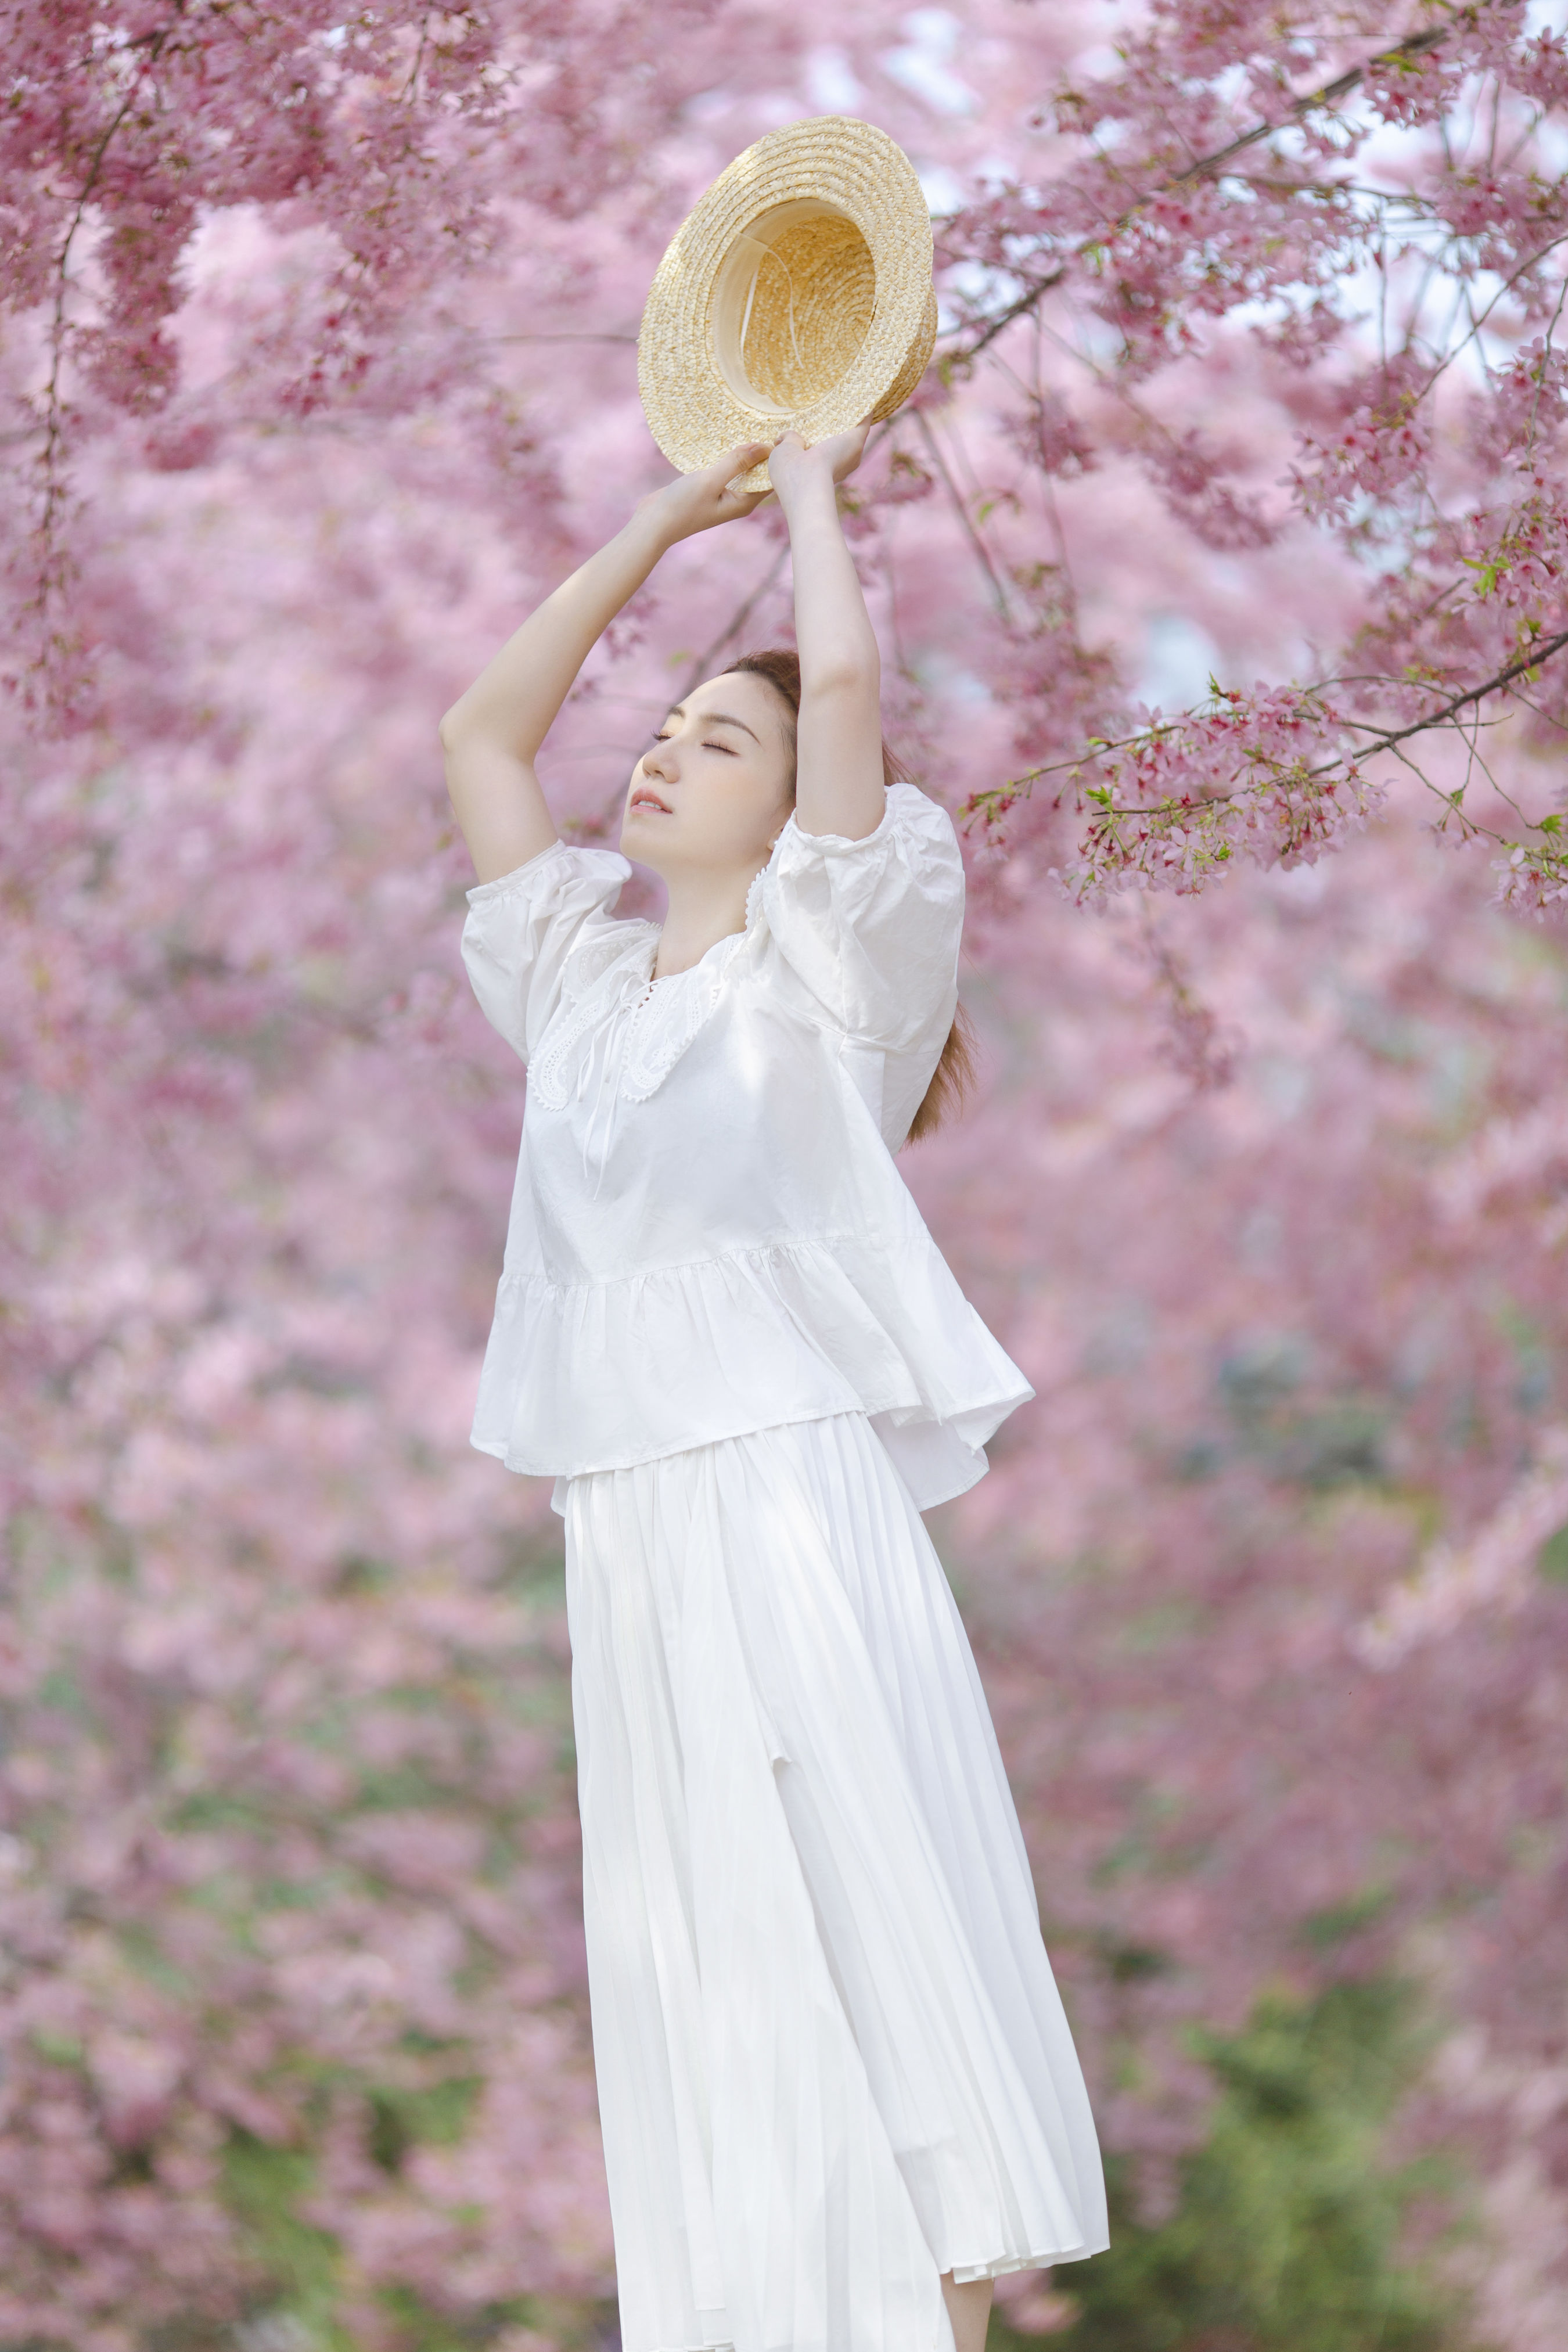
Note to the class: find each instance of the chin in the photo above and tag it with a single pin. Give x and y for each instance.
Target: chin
(635, 842)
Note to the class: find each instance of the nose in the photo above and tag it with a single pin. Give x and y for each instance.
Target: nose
(657, 761)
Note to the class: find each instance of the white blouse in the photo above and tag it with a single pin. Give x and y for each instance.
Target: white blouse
(709, 1235)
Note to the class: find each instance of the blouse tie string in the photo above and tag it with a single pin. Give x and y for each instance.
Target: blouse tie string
(615, 1040)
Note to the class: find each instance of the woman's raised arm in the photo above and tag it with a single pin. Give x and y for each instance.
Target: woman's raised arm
(492, 733)
(838, 748)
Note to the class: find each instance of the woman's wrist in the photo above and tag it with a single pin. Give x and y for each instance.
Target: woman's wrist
(651, 529)
(810, 506)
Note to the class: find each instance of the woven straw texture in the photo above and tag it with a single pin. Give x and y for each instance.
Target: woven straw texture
(796, 295)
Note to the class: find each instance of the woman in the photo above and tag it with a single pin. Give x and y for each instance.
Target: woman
(838, 2091)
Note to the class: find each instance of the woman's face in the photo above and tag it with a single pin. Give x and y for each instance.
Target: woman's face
(712, 790)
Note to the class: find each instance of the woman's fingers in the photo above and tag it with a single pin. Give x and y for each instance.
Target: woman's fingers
(725, 478)
(740, 460)
(840, 452)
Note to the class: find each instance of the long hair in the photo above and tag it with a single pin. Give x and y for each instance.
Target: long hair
(954, 1073)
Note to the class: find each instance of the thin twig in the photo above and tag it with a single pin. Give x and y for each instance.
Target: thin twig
(1477, 324)
(737, 620)
(999, 593)
(1550, 716)
(1541, 379)
(411, 87)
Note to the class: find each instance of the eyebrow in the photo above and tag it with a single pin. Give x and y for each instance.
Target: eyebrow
(714, 719)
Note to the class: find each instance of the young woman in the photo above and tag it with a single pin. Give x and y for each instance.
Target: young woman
(838, 2090)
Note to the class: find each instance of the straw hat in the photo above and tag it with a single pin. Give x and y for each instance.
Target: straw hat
(795, 295)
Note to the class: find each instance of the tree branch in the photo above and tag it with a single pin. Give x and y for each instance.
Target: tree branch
(1417, 45)
(737, 622)
(53, 429)
(998, 593)
(1385, 738)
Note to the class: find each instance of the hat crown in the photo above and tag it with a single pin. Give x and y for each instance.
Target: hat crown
(798, 293)
(791, 306)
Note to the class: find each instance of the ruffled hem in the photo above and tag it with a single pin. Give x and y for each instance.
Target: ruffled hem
(964, 2273)
(606, 1376)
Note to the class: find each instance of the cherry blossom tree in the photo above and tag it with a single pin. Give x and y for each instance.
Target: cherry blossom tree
(318, 365)
(1371, 205)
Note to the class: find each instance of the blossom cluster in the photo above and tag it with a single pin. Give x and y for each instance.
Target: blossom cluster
(1262, 777)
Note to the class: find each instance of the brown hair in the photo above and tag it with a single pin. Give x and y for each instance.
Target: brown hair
(954, 1073)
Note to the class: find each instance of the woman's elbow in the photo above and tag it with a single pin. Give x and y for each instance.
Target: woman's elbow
(453, 727)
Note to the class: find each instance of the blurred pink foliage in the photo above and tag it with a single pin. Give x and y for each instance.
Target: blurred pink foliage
(1271, 1580)
(318, 369)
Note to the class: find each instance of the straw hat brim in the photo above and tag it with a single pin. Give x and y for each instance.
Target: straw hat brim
(782, 249)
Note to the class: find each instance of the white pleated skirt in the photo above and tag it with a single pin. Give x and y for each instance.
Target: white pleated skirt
(832, 2060)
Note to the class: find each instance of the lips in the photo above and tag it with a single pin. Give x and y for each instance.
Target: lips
(645, 797)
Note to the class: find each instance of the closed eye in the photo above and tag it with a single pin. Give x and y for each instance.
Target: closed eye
(728, 748)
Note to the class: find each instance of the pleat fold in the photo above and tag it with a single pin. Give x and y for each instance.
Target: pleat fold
(831, 2057)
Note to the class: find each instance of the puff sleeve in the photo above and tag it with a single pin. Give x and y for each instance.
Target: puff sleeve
(522, 929)
(872, 927)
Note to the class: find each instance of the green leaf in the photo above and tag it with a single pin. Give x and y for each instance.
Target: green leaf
(59, 2049)
(1551, 1559)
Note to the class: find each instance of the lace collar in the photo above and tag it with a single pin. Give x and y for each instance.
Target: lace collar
(608, 986)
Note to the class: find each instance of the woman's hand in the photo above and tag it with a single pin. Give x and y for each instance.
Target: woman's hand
(791, 464)
(695, 502)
